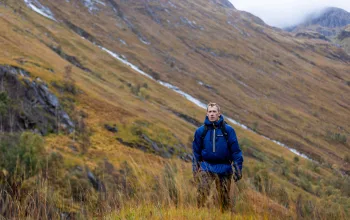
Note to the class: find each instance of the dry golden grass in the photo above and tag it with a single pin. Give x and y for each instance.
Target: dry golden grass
(296, 103)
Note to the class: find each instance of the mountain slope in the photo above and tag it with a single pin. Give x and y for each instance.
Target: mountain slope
(291, 90)
(269, 72)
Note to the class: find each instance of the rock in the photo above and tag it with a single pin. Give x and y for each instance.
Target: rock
(68, 215)
(344, 34)
(186, 157)
(79, 168)
(117, 9)
(67, 121)
(50, 98)
(312, 35)
(73, 148)
(152, 14)
(153, 144)
(37, 108)
(187, 118)
(112, 129)
(187, 22)
(96, 183)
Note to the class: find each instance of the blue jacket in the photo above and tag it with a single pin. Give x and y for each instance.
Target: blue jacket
(216, 156)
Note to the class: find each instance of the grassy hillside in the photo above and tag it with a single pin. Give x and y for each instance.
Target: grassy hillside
(287, 89)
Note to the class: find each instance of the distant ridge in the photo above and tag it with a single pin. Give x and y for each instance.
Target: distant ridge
(330, 17)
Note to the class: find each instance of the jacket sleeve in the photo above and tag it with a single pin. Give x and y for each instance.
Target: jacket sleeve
(197, 150)
(236, 153)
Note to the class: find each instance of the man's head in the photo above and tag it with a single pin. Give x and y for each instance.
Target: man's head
(213, 111)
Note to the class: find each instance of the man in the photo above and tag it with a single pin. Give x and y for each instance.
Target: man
(215, 153)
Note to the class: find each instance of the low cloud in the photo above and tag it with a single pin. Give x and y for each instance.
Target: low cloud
(285, 13)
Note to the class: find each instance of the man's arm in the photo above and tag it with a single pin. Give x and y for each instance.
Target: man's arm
(197, 151)
(236, 153)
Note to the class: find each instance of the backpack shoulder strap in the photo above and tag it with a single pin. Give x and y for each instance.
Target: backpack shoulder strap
(204, 132)
(223, 130)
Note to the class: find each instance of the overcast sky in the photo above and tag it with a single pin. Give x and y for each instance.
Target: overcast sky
(284, 13)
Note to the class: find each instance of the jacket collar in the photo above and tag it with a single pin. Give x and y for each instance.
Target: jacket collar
(217, 123)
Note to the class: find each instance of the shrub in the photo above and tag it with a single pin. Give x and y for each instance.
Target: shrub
(313, 166)
(282, 196)
(306, 185)
(347, 158)
(276, 116)
(263, 182)
(244, 144)
(304, 207)
(296, 159)
(336, 137)
(255, 126)
(22, 157)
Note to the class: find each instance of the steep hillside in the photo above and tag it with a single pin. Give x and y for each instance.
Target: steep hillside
(93, 78)
(286, 89)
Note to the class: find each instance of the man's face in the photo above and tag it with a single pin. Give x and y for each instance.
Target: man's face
(213, 113)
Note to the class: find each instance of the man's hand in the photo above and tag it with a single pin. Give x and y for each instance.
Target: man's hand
(237, 176)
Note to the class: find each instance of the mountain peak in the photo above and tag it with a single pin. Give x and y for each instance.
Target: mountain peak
(329, 17)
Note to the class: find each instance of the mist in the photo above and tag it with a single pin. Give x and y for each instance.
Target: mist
(286, 13)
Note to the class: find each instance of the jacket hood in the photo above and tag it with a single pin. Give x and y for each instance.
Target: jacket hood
(216, 123)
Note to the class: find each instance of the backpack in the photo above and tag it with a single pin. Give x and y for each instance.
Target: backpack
(223, 130)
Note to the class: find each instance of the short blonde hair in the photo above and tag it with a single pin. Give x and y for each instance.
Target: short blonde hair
(212, 104)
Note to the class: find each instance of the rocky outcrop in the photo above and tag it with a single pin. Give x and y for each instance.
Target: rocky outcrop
(151, 12)
(82, 32)
(96, 183)
(31, 105)
(312, 35)
(187, 118)
(110, 128)
(72, 59)
(344, 34)
(146, 144)
(117, 9)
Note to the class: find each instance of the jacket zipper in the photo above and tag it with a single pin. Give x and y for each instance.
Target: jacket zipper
(214, 140)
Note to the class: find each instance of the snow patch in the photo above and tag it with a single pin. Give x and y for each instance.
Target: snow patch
(196, 101)
(91, 4)
(40, 9)
(123, 59)
(144, 41)
(172, 4)
(122, 41)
